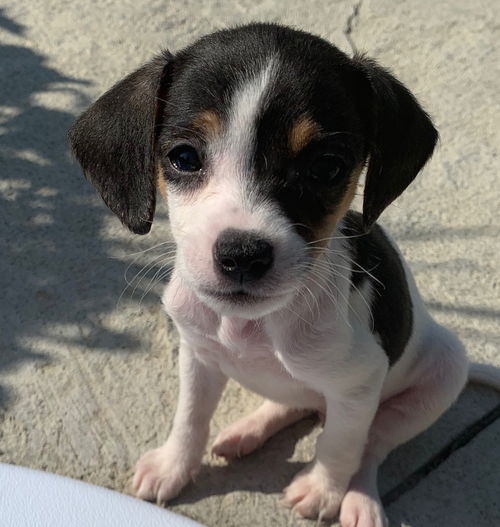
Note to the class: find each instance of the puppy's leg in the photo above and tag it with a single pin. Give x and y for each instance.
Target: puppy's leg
(317, 490)
(402, 417)
(163, 472)
(351, 395)
(250, 432)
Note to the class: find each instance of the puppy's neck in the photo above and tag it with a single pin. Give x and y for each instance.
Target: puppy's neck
(234, 330)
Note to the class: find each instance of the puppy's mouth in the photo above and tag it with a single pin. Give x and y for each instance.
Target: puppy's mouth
(238, 297)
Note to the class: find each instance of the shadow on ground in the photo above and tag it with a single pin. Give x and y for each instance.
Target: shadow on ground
(55, 268)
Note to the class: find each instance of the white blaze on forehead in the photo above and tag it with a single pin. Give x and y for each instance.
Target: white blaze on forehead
(246, 106)
(225, 201)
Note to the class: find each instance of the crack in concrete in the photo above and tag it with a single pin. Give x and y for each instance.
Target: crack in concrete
(461, 440)
(350, 23)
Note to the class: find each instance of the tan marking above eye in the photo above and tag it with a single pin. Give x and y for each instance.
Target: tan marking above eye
(208, 123)
(301, 133)
(161, 181)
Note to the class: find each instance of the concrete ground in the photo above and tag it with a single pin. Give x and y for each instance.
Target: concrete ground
(88, 375)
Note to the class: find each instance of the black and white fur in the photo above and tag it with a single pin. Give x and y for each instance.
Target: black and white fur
(257, 137)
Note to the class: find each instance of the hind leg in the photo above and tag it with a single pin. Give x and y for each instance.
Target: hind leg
(250, 432)
(442, 376)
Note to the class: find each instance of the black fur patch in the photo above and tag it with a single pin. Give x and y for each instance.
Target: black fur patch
(391, 306)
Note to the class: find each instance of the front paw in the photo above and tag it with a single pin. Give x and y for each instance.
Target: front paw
(362, 509)
(161, 474)
(314, 493)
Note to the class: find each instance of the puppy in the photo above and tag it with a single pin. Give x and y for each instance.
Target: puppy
(257, 137)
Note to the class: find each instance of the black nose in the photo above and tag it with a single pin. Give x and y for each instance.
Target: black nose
(242, 256)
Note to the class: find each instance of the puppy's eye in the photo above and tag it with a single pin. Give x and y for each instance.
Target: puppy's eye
(185, 159)
(327, 167)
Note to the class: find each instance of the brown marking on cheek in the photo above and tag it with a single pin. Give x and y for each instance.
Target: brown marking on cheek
(162, 187)
(208, 123)
(303, 130)
(327, 227)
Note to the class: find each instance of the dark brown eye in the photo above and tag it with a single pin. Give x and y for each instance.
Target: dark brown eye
(184, 158)
(327, 167)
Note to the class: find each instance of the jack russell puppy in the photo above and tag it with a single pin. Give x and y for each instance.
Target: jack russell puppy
(257, 137)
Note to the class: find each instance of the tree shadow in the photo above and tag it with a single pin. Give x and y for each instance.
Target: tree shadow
(468, 311)
(463, 233)
(409, 236)
(52, 250)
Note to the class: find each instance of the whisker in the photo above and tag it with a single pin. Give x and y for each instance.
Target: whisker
(143, 271)
(327, 291)
(151, 284)
(137, 255)
(301, 225)
(288, 308)
(312, 296)
(319, 264)
(345, 256)
(158, 261)
(159, 276)
(300, 291)
(151, 264)
(150, 248)
(331, 268)
(341, 237)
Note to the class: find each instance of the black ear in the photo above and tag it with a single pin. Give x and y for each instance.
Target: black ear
(402, 139)
(114, 141)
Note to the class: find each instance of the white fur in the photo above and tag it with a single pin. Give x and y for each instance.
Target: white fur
(248, 101)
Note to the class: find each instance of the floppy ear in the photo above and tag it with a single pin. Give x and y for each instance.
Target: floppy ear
(114, 141)
(402, 139)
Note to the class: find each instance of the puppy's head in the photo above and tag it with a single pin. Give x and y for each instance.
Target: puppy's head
(257, 137)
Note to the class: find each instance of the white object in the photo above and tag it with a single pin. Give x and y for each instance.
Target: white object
(30, 498)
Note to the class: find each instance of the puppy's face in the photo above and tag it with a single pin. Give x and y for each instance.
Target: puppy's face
(257, 166)
(256, 136)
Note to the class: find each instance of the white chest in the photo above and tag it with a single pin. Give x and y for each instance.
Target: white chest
(240, 348)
